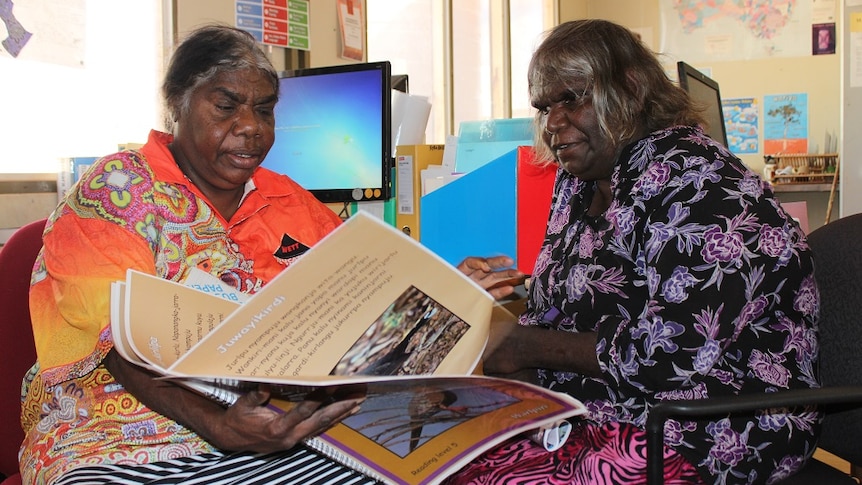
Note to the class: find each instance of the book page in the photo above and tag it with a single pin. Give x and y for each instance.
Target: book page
(118, 329)
(366, 309)
(366, 293)
(420, 430)
(164, 320)
(303, 384)
(365, 302)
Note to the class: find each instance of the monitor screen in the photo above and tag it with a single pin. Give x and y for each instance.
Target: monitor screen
(704, 91)
(332, 131)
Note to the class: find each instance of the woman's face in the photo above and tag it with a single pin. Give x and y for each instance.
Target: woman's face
(227, 131)
(572, 132)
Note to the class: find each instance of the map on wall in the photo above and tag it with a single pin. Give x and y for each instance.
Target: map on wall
(734, 30)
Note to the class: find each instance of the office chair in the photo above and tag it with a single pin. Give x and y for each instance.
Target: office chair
(837, 248)
(16, 339)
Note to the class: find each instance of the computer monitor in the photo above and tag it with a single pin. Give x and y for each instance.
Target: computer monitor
(704, 91)
(333, 131)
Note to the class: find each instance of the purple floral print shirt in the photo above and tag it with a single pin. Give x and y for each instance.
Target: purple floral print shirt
(697, 284)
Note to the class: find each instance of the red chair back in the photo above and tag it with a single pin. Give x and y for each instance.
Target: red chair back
(16, 336)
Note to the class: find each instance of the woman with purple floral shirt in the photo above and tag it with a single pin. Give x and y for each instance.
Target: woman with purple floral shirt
(668, 271)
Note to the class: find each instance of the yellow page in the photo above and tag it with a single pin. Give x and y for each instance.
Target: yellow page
(118, 325)
(165, 319)
(365, 300)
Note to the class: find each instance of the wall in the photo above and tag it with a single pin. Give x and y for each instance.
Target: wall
(819, 76)
(323, 16)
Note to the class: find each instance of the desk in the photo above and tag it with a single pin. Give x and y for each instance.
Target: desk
(815, 195)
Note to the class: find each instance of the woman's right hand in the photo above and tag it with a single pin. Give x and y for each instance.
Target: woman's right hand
(251, 425)
(248, 425)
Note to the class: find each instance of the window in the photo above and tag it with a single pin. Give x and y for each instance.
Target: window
(482, 75)
(82, 84)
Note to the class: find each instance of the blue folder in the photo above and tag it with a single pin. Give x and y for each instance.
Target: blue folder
(475, 215)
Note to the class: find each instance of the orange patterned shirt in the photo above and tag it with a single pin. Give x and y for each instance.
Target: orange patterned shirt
(136, 209)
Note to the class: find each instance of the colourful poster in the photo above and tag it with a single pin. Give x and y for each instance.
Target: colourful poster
(282, 23)
(785, 124)
(740, 121)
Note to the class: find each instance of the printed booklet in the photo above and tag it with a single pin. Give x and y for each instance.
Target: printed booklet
(367, 309)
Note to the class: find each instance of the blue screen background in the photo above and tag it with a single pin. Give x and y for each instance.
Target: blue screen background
(329, 130)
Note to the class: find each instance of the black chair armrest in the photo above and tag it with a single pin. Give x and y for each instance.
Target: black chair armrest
(723, 405)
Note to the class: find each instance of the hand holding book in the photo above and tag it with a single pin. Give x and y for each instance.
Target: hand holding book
(494, 274)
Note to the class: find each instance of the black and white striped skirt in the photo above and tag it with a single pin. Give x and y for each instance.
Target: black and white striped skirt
(299, 466)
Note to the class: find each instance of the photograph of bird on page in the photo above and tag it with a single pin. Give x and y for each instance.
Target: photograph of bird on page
(411, 337)
(402, 421)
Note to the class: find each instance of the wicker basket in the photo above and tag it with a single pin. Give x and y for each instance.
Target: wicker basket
(807, 168)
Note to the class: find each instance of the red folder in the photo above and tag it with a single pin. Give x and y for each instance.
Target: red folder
(535, 186)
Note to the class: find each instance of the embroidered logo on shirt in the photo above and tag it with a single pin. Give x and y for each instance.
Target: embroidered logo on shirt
(290, 248)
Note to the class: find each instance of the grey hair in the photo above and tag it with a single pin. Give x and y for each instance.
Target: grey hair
(204, 54)
(630, 89)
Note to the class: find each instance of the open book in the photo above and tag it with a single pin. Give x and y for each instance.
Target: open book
(368, 308)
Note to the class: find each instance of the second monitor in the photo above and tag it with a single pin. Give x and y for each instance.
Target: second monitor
(704, 91)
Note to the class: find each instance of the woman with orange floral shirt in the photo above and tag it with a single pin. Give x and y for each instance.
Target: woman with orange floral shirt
(192, 200)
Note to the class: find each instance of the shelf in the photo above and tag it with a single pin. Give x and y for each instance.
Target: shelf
(802, 172)
(802, 187)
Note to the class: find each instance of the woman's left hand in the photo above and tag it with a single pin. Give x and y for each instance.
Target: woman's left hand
(494, 274)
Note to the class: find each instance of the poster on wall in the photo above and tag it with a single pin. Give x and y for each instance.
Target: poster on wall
(740, 122)
(823, 39)
(730, 30)
(50, 31)
(280, 23)
(350, 24)
(785, 124)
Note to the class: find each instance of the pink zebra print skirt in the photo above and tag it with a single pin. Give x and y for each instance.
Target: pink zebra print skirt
(610, 454)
